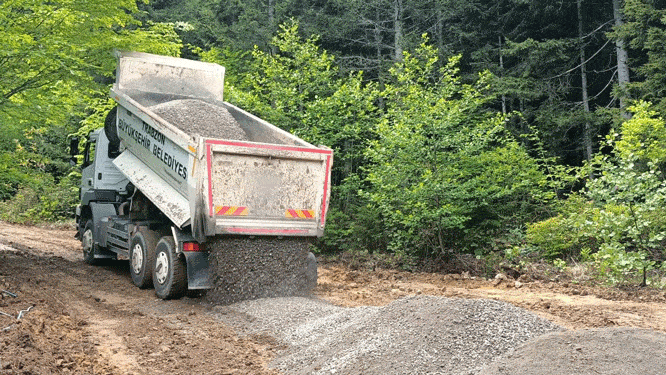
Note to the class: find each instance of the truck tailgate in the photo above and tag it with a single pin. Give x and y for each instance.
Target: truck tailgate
(267, 189)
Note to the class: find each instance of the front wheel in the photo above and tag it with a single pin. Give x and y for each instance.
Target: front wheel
(170, 272)
(88, 243)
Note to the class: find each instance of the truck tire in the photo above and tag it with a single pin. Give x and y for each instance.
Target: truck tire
(142, 257)
(88, 243)
(110, 129)
(170, 272)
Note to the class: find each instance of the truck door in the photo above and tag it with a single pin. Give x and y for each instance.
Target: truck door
(88, 167)
(98, 174)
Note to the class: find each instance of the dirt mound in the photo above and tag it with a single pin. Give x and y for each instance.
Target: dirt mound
(198, 117)
(598, 351)
(413, 335)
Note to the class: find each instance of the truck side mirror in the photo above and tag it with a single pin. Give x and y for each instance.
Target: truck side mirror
(86, 155)
(73, 150)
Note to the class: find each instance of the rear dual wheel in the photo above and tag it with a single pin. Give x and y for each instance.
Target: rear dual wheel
(142, 257)
(170, 273)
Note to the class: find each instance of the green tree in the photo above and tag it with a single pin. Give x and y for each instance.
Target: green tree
(555, 65)
(56, 53)
(299, 88)
(644, 32)
(445, 175)
(281, 85)
(56, 65)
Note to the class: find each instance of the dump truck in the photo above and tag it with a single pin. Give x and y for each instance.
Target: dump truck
(195, 192)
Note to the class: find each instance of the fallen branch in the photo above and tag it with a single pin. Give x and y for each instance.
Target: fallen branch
(18, 317)
(9, 293)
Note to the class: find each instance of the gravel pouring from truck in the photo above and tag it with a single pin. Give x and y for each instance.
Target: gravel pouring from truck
(177, 169)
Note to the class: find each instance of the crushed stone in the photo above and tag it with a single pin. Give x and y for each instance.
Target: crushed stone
(149, 98)
(248, 267)
(198, 117)
(413, 335)
(618, 351)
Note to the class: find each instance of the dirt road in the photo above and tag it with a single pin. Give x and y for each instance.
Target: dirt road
(86, 319)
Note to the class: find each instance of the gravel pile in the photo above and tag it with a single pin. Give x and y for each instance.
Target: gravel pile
(198, 117)
(256, 267)
(149, 99)
(618, 351)
(151, 83)
(413, 335)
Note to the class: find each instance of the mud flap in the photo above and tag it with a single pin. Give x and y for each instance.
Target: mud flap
(198, 270)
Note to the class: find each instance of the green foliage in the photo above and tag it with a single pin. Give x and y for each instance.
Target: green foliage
(56, 54)
(208, 23)
(620, 223)
(12, 175)
(28, 194)
(444, 171)
(282, 85)
(615, 265)
(561, 236)
(41, 201)
(236, 63)
(299, 89)
(57, 64)
(643, 137)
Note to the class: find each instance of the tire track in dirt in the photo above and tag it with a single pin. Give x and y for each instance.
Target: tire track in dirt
(94, 320)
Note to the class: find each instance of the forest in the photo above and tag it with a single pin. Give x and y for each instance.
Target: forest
(467, 134)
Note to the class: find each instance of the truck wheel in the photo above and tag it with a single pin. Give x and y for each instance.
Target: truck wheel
(142, 258)
(88, 243)
(110, 126)
(170, 273)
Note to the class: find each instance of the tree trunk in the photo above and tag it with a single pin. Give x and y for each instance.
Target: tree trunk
(587, 133)
(378, 50)
(377, 32)
(622, 58)
(398, 31)
(439, 32)
(501, 63)
(272, 27)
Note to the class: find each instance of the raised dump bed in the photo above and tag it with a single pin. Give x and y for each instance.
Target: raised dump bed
(198, 169)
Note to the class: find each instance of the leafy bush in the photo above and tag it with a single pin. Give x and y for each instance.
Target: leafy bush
(616, 265)
(562, 236)
(618, 223)
(41, 201)
(34, 188)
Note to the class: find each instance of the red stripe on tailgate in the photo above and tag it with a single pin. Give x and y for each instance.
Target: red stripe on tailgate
(324, 201)
(210, 178)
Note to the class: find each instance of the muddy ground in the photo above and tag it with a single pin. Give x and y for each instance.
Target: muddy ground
(92, 320)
